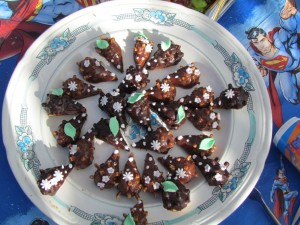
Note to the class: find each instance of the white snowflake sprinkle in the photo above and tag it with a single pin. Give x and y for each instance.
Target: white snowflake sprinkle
(155, 145)
(189, 70)
(165, 87)
(215, 125)
(207, 168)
(130, 159)
(148, 48)
(218, 177)
(86, 63)
(208, 89)
(110, 170)
(147, 180)
(117, 106)
(73, 149)
(103, 101)
(197, 72)
(127, 176)
(101, 185)
(105, 179)
(138, 78)
(46, 184)
(206, 96)
(197, 100)
(156, 173)
(72, 86)
(145, 71)
(181, 173)
(212, 116)
(128, 77)
(58, 175)
(156, 185)
(229, 93)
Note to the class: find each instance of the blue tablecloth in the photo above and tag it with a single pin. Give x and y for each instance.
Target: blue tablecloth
(16, 208)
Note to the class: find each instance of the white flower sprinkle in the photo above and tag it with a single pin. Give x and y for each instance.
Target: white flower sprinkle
(72, 86)
(127, 176)
(117, 106)
(181, 173)
(103, 101)
(165, 87)
(155, 145)
(229, 93)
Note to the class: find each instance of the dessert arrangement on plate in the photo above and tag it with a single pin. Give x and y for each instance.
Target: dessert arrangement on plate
(133, 98)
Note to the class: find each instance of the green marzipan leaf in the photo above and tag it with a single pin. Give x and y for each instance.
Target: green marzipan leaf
(70, 130)
(129, 220)
(206, 143)
(102, 44)
(169, 186)
(114, 126)
(180, 114)
(135, 97)
(58, 91)
(165, 45)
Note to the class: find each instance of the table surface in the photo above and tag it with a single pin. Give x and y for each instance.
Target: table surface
(16, 208)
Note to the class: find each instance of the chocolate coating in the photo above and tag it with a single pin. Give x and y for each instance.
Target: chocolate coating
(62, 138)
(176, 201)
(78, 89)
(103, 132)
(51, 179)
(112, 53)
(232, 98)
(81, 154)
(58, 105)
(185, 77)
(163, 59)
(107, 174)
(160, 140)
(215, 173)
(181, 168)
(94, 71)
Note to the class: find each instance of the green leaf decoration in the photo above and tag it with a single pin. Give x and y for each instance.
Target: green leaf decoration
(139, 34)
(70, 130)
(102, 44)
(58, 91)
(129, 220)
(206, 143)
(180, 114)
(169, 186)
(135, 97)
(114, 126)
(165, 45)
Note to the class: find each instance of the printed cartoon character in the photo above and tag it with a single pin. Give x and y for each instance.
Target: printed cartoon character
(284, 197)
(22, 21)
(277, 56)
(293, 151)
